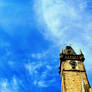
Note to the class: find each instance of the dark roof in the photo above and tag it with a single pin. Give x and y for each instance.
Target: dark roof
(69, 51)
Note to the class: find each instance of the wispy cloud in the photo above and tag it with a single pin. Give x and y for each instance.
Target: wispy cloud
(43, 83)
(39, 55)
(8, 86)
(40, 72)
(57, 14)
(65, 21)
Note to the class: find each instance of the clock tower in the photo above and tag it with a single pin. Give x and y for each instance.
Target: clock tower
(72, 71)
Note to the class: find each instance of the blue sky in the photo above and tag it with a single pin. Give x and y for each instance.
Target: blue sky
(31, 35)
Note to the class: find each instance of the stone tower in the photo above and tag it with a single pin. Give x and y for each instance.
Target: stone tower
(72, 71)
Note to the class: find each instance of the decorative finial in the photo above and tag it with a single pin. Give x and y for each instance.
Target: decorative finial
(70, 44)
(80, 51)
(61, 51)
(65, 44)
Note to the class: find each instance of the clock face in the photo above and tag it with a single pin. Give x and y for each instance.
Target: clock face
(73, 64)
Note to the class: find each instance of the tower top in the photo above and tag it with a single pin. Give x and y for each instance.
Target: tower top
(72, 71)
(69, 51)
(70, 54)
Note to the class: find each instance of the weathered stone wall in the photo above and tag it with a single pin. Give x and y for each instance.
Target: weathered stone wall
(72, 80)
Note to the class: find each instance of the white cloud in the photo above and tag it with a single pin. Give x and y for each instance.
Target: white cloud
(42, 84)
(32, 67)
(63, 19)
(57, 15)
(4, 84)
(39, 72)
(45, 83)
(66, 20)
(8, 86)
(39, 55)
(49, 67)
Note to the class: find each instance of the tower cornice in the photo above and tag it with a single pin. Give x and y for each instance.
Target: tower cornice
(64, 57)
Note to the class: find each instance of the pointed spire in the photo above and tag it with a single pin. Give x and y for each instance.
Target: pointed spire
(80, 51)
(70, 44)
(61, 51)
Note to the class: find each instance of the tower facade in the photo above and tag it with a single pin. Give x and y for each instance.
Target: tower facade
(72, 71)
